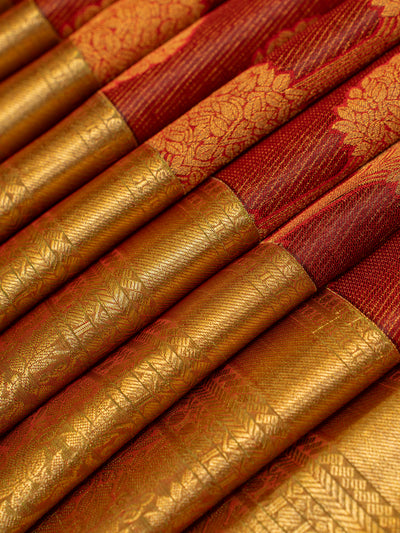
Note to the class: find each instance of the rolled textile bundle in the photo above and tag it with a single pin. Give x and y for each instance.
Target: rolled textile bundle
(316, 150)
(34, 26)
(215, 131)
(344, 476)
(45, 91)
(154, 369)
(279, 387)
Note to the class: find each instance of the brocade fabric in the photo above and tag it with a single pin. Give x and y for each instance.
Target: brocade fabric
(200, 269)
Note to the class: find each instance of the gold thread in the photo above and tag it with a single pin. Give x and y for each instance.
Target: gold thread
(82, 145)
(77, 231)
(280, 386)
(25, 33)
(119, 295)
(337, 475)
(146, 376)
(40, 94)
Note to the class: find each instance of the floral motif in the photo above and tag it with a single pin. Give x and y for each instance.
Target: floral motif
(83, 16)
(391, 8)
(222, 126)
(370, 117)
(130, 29)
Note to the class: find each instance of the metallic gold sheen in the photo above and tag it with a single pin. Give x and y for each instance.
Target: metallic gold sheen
(25, 33)
(81, 146)
(344, 476)
(120, 294)
(145, 377)
(40, 94)
(280, 386)
(83, 227)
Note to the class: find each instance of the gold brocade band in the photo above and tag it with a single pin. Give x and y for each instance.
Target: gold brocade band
(274, 391)
(35, 97)
(145, 377)
(25, 33)
(342, 477)
(77, 231)
(90, 139)
(121, 293)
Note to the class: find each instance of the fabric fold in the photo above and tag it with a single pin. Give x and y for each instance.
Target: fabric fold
(99, 413)
(80, 229)
(104, 409)
(41, 94)
(34, 26)
(344, 475)
(279, 387)
(148, 273)
(25, 33)
(234, 117)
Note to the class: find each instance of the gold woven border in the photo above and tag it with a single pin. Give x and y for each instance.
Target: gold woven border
(83, 227)
(287, 381)
(146, 376)
(40, 94)
(25, 33)
(57, 163)
(120, 294)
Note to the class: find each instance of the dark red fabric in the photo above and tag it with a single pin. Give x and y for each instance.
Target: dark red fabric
(222, 45)
(66, 16)
(301, 161)
(373, 287)
(348, 223)
(345, 230)
(353, 24)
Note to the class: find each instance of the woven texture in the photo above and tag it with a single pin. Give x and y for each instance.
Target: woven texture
(130, 29)
(69, 15)
(313, 152)
(194, 64)
(374, 288)
(344, 476)
(268, 94)
(347, 224)
(236, 421)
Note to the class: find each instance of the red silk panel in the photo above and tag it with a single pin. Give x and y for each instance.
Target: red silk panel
(298, 163)
(373, 287)
(186, 70)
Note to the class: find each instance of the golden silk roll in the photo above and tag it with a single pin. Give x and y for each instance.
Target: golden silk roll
(220, 127)
(243, 416)
(125, 32)
(120, 294)
(344, 476)
(162, 262)
(140, 381)
(25, 33)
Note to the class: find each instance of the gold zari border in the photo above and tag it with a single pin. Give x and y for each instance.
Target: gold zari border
(25, 33)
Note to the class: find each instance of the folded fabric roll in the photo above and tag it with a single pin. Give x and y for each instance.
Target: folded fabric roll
(338, 134)
(124, 291)
(215, 131)
(342, 477)
(45, 91)
(34, 26)
(274, 391)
